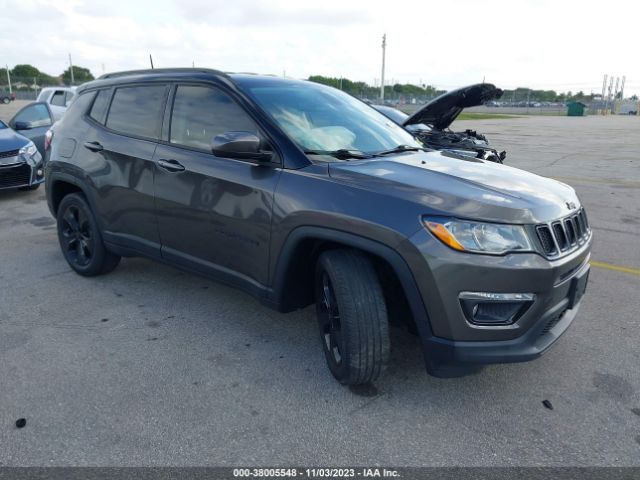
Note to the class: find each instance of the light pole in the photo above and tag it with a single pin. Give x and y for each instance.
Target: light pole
(384, 46)
(8, 78)
(71, 69)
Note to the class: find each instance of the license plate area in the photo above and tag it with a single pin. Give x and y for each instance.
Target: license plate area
(578, 287)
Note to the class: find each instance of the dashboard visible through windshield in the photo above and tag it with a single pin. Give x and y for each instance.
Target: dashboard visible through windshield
(320, 118)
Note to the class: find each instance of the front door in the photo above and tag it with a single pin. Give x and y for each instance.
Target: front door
(33, 121)
(214, 213)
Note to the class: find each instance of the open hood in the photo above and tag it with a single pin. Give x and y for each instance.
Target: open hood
(443, 110)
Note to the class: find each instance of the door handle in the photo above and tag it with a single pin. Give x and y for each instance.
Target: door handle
(93, 146)
(171, 165)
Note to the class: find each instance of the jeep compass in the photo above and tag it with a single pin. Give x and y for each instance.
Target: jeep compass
(298, 193)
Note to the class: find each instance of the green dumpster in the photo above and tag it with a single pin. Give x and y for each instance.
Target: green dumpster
(576, 109)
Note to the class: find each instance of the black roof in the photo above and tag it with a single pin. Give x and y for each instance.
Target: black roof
(167, 74)
(160, 71)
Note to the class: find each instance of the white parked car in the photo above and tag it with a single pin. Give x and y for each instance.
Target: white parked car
(58, 98)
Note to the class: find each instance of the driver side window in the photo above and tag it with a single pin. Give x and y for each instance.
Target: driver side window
(36, 115)
(201, 113)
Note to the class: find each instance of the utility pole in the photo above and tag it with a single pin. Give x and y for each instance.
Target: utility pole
(604, 90)
(8, 78)
(384, 47)
(71, 69)
(609, 94)
(624, 78)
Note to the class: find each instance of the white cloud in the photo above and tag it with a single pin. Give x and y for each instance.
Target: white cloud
(537, 43)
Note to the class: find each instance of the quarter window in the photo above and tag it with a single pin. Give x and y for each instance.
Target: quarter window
(137, 111)
(201, 113)
(100, 105)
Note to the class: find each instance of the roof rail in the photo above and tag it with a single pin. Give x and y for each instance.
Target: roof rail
(148, 71)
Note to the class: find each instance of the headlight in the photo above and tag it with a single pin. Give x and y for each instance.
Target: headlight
(29, 149)
(479, 237)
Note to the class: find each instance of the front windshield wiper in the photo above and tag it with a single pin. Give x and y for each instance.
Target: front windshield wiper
(341, 154)
(400, 149)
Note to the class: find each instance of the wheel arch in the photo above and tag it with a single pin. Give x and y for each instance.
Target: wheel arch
(292, 279)
(59, 186)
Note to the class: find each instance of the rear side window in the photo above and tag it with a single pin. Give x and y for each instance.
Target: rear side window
(100, 105)
(201, 113)
(58, 98)
(137, 111)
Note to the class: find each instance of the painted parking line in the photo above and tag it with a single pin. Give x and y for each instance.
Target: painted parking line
(616, 268)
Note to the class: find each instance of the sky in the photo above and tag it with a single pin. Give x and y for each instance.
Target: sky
(559, 45)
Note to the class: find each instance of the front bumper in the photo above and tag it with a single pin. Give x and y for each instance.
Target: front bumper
(22, 173)
(451, 343)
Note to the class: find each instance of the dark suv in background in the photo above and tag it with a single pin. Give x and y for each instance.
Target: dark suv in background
(298, 193)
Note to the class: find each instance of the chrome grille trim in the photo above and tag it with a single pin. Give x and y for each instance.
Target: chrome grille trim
(10, 153)
(568, 234)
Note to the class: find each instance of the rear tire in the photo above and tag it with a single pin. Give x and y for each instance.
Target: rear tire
(80, 238)
(352, 316)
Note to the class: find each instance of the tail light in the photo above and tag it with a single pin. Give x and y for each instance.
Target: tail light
(47, 139)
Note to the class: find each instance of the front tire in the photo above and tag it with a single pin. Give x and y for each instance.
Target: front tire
(80, 238)
(352, 316)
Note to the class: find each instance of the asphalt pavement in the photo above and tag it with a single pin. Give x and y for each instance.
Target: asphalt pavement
(152, 366)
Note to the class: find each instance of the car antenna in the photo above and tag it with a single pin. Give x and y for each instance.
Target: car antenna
(151, 60)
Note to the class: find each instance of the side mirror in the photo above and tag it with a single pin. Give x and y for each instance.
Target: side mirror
(243, 145)
(23, 126)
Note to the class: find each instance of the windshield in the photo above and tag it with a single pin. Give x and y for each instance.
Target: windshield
(2, 125)
(394, 114)
(320, 118)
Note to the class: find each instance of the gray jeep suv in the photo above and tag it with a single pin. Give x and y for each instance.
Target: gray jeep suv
(298, 193)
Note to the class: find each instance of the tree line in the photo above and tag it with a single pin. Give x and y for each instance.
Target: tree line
(364, 90)
(24, 77)
(408, 91)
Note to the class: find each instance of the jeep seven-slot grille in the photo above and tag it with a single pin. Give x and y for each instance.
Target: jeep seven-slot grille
(15, 176)
(10, 153)
(564, 235)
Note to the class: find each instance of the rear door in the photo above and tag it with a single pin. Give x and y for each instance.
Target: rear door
(214, 213)
(118, 156)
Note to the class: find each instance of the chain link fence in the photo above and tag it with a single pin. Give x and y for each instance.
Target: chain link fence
(26, 88)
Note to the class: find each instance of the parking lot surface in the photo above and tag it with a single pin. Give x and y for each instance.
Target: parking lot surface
(152, 366)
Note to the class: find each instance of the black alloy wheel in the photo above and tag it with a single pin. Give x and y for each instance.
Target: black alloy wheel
(76, 232)
(80, 238)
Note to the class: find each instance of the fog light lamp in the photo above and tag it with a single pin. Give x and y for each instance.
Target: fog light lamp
(488, 309)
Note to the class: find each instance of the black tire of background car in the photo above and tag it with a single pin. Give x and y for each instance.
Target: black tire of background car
(101, 261)
(6, 100)
(362, 316)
